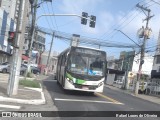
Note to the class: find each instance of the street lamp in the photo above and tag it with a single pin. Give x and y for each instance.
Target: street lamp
(129, 38)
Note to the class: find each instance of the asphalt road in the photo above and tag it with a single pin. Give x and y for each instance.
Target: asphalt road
(109, 100)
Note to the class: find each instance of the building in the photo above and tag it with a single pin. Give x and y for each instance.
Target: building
(155, 73)
(52, 62)
(131, 63)
(7, 23)
(146, 67)
(127, 66)
(126, 60)
(38, 46)
(114, 73)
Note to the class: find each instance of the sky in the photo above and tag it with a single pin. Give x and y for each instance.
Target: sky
(111, 15)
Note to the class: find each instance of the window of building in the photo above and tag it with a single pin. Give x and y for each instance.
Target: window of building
(158, 59)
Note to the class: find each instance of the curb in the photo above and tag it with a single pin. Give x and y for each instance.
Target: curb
(23, 101)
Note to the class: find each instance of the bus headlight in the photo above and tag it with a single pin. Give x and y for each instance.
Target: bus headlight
(100, 84)
(71, 81)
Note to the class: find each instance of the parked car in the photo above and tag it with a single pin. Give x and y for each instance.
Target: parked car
(23, 69)
(148, 87)
(4, 67)
(35, 70)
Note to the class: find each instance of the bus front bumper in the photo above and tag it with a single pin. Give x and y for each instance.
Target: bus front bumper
(88, 88)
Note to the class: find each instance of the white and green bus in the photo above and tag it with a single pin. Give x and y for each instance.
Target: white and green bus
(82, 69)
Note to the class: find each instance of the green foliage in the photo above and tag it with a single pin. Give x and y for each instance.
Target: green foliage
(29, 83)
(30, 75)
(144, 77)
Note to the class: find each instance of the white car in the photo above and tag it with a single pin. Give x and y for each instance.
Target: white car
(4, 67)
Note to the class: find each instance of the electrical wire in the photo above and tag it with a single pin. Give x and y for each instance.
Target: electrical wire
(50, 16)
(119, 27)
(54, 16)
(46, 18)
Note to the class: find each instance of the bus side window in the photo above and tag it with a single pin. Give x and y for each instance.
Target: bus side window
(60, 61)
(63, 60)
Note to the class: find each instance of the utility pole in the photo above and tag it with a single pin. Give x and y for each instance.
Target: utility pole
(13, 81)
(125, 83)
(145, 37)
(31, 33)
(50, 53)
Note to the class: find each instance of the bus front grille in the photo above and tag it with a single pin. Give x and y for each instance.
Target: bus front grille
(90, 87)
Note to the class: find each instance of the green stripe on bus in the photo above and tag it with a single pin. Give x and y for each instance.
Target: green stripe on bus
(69, 76)
(78, 81)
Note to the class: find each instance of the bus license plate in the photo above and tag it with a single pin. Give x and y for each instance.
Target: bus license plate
(85, 87)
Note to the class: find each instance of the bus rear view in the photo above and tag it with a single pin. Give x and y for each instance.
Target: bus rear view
(84, 69)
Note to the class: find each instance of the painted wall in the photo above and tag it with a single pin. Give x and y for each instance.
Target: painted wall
(147, 66)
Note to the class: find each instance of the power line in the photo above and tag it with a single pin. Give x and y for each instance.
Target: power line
(46, 17)
(62, 35)
(123, 18)
(118, 27)
(67, 23)
(54, 16)
(50, 16)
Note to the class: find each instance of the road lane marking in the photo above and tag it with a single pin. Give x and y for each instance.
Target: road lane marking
(108, 98)
(77, 100)
(9, 106)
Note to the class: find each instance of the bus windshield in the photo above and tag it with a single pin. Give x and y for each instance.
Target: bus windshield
(87, 65)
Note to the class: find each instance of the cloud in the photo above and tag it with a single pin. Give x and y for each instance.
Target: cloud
(107, 20)
(104, 20)
(77, 7)
(80, 6)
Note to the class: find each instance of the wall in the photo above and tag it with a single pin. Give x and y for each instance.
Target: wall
(146, 67)
(110, 79)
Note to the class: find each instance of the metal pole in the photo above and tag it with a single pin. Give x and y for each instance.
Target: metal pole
(32, 35)
(50, 53)
(122, 64)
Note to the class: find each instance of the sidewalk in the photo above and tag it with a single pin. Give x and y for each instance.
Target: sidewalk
(25, 95)
(142, 96)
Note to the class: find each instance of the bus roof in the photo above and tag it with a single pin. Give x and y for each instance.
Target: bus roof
(67, 49)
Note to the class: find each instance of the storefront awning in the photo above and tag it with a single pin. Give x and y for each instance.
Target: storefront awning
(24, 57)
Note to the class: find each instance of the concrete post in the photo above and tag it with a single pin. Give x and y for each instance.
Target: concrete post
(20, 30)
